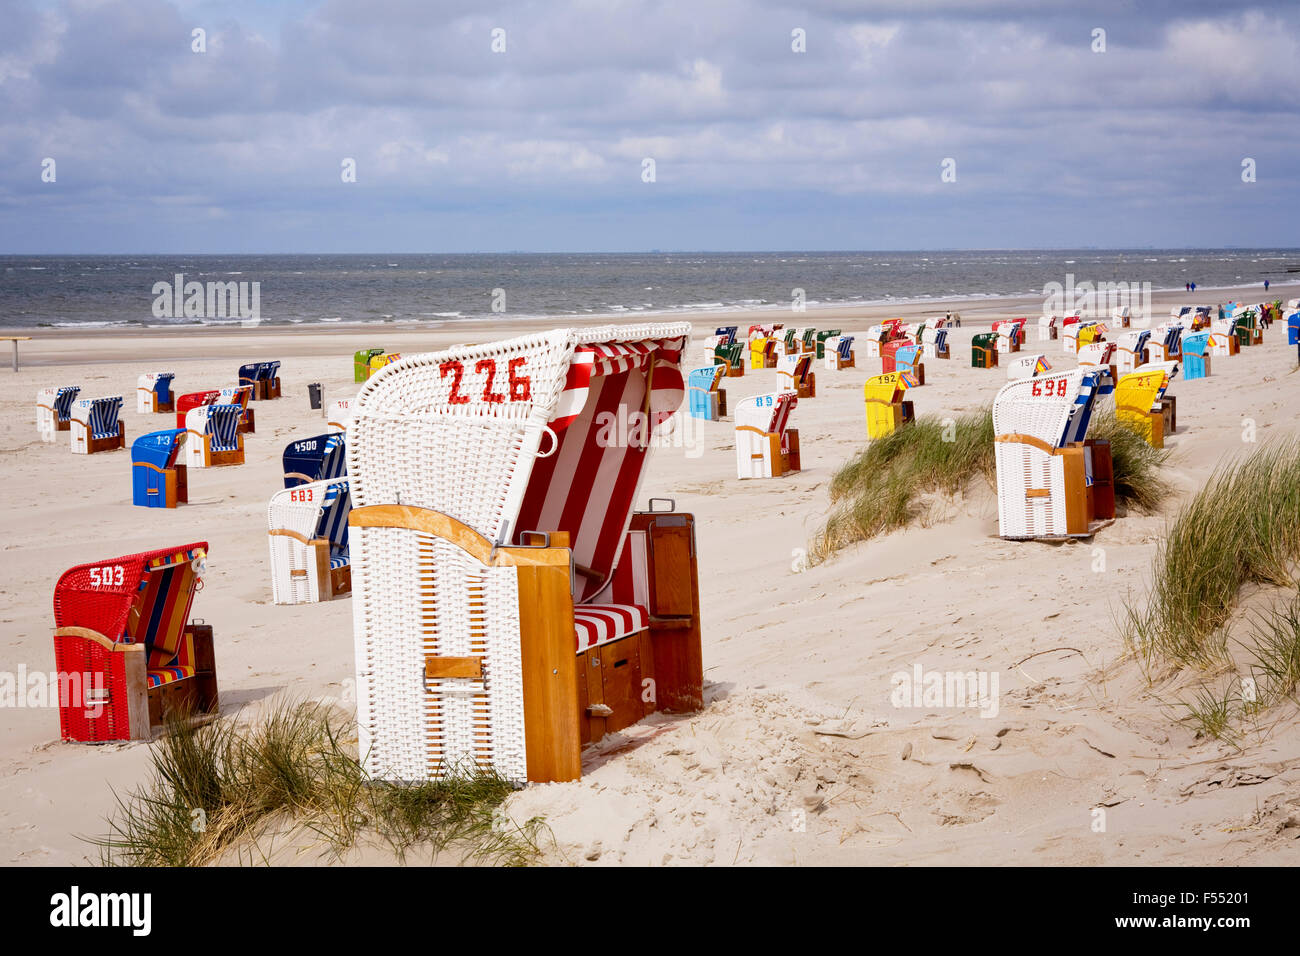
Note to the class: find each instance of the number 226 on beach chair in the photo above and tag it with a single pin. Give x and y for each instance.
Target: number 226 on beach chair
(796, 375)
(95, 426)
(212, 436)
(124, 641)
(54, 410)
(703, 397)
(158, 480)
(765, 446)
(153, 393)
(309, 542)
(1052, 481)
(508, 604)
(886, 410)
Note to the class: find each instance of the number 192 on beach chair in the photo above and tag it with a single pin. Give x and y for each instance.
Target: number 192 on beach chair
(54, 410)
(886, 409)
(508, 602)
(125, 648)
(1053, 482)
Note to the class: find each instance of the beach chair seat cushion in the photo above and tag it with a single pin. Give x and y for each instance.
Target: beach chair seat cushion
(598, 624)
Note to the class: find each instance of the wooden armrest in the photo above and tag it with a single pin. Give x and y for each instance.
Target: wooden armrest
(93, 635)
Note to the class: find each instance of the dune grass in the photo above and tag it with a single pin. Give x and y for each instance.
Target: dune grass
(885, 486)
(1242, 527)
(216, 788)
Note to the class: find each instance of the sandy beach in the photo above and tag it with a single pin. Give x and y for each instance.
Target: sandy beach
(799, 755)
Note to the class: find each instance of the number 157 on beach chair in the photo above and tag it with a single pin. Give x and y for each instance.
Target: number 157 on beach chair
(493, 492)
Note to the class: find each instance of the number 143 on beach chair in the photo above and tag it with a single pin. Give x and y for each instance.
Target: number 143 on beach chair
(509, 604)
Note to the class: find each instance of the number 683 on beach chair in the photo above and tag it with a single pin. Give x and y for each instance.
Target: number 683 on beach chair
(509, 604)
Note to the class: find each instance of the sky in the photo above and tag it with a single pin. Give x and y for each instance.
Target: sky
(823, 125)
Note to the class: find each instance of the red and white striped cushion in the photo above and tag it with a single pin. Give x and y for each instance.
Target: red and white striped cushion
(597, 624)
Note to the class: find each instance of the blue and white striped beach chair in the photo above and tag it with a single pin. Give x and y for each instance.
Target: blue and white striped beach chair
(839, 353)
(319, 458)
(95, 426)
(308, 533)
(213, 437)
(153, 393)
(54, 410)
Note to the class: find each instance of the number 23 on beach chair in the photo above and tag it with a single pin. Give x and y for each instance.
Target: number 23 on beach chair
(1053, 482)
(886, 409)
(124, 640)
(508, 602)
(1142, 405)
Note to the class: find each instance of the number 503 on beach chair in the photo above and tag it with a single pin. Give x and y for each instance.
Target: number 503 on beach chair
(508, 603)
(125, 648)
(1053, 482)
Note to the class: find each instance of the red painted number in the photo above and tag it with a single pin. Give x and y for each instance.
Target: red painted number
(1052, 387)
(458, 371)
(520, 385)
(489, 367)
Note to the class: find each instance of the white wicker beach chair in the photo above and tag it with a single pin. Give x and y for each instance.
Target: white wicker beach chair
(1096, 353)
(508, 602)
(339, 416)
(1131, 350)
(1047, 328)
(934, 343)
(1053, 482)
(765, 446)
(308, 533)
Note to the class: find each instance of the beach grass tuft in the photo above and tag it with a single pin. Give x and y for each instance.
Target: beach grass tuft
(216, 788)
(1242, 527)
(889, 484)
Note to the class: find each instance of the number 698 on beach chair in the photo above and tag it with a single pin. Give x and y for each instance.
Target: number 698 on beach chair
(509, 604)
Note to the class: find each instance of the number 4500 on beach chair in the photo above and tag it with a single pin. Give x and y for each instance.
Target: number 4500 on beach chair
(509, 603)
(125, 648)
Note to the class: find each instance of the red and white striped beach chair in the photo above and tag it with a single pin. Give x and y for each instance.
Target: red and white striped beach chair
(508, 601)
(765, 446)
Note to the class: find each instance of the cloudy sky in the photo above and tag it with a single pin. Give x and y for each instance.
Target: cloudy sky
(543, 146)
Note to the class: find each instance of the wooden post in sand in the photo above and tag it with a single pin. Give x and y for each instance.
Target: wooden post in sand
(15, 339)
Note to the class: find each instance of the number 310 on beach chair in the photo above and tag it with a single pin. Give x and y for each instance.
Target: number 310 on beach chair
(508, 602)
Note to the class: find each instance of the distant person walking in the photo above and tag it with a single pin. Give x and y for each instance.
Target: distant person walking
(1265, 285)
(1193, 286)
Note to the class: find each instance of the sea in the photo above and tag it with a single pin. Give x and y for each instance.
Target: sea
(140, 291)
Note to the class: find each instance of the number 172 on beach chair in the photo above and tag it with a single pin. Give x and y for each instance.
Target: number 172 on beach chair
(509, 604)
